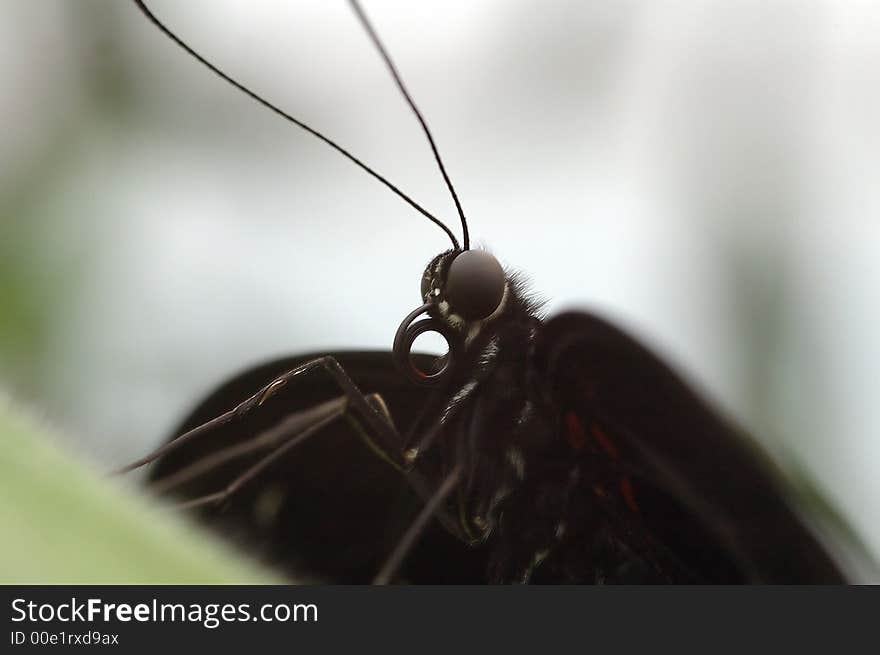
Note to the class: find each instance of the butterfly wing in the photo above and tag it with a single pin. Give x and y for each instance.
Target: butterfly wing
(704, 503)
(331, 510)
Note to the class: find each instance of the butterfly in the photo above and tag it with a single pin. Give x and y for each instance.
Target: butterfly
(536, 450)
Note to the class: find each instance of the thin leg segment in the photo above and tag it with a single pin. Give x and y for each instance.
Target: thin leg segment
(380, 426)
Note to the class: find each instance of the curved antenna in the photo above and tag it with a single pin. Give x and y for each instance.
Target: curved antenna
(345, 153)
(374, 37)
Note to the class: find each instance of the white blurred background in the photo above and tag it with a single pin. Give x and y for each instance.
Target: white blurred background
(704, 172)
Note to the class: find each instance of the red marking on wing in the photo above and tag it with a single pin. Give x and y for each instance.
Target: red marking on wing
(629, 495)
(604, 441)
(577, 439)
(574, 432)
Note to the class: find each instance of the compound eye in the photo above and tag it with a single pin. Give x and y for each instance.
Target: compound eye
(475, 285)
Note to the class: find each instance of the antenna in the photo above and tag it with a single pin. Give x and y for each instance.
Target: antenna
(345, 153)
(374, 37)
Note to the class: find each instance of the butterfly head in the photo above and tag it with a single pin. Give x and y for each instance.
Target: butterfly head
(461, 290)
(464, 287)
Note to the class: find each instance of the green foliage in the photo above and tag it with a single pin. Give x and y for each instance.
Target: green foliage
(65, 524)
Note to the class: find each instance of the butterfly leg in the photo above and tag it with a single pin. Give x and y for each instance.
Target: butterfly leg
(367, 413)
(290, 428)
(374, 415)
(287, 435)
(433, 507)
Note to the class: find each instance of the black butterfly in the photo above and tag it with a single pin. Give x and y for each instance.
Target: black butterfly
(550, 450)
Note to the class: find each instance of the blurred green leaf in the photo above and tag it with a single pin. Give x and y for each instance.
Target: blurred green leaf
(65, 524)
